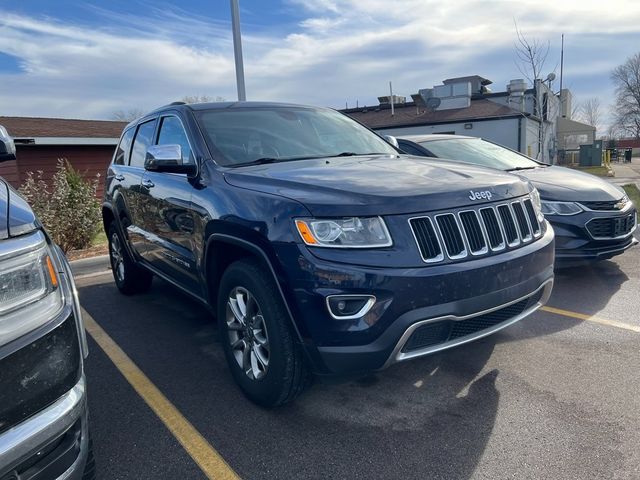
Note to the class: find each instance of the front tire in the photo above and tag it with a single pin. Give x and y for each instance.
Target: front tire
(129, 277)
(259, 343)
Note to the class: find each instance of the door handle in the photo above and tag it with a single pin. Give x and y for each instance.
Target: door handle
(119, 177)
(148, 184)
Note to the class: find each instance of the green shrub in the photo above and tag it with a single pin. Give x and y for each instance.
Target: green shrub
(66, 206)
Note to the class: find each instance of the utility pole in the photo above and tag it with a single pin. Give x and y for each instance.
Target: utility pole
(561, 68)
(391, 99)
(237, 50)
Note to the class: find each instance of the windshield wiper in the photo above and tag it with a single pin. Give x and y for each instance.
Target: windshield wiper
(264, 160)
(516, 169)
(353, 154)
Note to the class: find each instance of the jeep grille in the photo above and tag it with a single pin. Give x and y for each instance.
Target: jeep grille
(476, 231)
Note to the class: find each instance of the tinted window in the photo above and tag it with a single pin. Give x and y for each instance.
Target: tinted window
(246, 134)
(122, 152)
(172, 133)
(411, 149)
(480, 152)
(144, 138)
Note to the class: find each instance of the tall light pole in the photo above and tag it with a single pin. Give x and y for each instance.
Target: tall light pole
(237, 50)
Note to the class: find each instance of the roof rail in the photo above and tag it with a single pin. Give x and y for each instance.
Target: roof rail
(178, 103)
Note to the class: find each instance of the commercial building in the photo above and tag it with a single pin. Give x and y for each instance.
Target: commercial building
(535, 121)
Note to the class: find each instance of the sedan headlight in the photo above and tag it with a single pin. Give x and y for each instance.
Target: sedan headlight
(560, 208)
(29, 293)
(352, 232)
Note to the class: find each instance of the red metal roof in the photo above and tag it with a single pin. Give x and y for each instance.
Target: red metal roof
(629, 143)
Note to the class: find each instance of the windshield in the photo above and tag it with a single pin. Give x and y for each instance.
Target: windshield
(246, 135)
(479, 152)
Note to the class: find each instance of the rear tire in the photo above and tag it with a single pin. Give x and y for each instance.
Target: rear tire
(259, 343)
(129, 277)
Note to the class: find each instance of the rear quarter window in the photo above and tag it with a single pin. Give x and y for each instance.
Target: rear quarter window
(121, 156)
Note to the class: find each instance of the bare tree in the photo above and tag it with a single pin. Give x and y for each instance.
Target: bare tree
(590, 112)
(202, 99)
(575, 110)
(531, 56)
(626, 78)
(127, 115)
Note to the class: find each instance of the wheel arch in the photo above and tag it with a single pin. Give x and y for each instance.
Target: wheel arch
(231, 248)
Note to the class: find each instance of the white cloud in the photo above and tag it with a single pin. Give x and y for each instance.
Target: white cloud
(342, 50)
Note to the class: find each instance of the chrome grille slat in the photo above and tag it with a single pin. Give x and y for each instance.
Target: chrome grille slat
(451, 235)
(473, 231)
(476, 231)
(508, 225)
(533, 219)
(492, 228)
(427, 239)
(521, 219)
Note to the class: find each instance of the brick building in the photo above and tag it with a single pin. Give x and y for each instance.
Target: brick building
(87, 144)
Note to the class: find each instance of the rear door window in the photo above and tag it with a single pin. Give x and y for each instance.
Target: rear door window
(144, 138)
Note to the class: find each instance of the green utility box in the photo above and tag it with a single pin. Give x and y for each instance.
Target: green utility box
(591, 155)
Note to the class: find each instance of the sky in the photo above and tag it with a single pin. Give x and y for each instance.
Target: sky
(89, 59)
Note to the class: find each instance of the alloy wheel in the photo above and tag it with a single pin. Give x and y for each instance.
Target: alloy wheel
(117, 260)
(247, 333)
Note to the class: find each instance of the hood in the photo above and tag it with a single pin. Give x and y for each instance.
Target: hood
(378, 185)
(568, 185)
(16, 216)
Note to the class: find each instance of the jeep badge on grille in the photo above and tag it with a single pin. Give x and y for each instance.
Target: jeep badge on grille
(484, 195)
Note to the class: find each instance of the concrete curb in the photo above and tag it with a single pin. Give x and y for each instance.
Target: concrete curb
(90, 266)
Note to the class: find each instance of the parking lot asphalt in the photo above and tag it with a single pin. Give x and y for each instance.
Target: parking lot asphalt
(551, 397)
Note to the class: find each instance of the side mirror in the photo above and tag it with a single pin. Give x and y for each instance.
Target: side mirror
(7, 147)
(167, 158)
(392, 140)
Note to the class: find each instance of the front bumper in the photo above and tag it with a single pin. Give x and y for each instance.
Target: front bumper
(409, 297)
(52, 444)
(576, 243)
(44, 431)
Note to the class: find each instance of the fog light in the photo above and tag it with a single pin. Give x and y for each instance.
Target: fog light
(348, 307)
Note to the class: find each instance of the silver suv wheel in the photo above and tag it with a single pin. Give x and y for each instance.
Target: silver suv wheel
(247, 333)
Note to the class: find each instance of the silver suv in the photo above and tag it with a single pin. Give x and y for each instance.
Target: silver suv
(44, 431)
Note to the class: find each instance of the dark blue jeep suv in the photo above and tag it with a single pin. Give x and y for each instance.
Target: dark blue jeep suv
(319, 246)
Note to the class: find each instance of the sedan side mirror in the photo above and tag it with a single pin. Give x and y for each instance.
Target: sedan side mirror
(7, 147)
(392, 140)
(167, 158)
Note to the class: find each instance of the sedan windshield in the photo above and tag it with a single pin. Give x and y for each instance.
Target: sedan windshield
(479, 152)
(248, 136)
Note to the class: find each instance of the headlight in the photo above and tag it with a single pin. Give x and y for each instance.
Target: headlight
(29, 293)
(353, 232)
(560, 208)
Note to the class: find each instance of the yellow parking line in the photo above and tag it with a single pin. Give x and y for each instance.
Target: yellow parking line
(201, 451)
(592, 318)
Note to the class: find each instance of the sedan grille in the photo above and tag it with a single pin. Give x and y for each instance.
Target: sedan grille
(475, 232)
(610, 205)
(608, 227)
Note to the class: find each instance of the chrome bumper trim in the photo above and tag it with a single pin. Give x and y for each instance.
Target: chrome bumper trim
(35, 432)
(397, 355)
